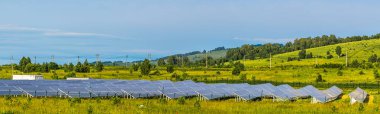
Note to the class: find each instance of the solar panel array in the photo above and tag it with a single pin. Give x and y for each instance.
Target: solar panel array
(161, 88)
(358, 95)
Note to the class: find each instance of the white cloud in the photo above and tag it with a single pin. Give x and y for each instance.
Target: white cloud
(51, 32)
(263, 40)
(145, 51)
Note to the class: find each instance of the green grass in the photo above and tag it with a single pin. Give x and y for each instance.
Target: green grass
(62, 105)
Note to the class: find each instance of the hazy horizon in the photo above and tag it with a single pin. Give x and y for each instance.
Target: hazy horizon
(113, 29)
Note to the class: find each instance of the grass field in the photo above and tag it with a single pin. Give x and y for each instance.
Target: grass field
(133, 106)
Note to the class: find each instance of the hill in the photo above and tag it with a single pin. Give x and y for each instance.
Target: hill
(359, 50)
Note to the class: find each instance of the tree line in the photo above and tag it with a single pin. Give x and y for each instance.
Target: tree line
(263, 51)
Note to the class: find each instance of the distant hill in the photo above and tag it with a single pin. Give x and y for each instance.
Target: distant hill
(359, 50)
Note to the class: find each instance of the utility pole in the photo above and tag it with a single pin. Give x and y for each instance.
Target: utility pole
(244, 59)
(182, 61)
(206, 60)
(12, 64)
(35, 60)
(126, 61)
(52, 58)
(78, 59)
(270, 60)
(346, 58)
(97, 59)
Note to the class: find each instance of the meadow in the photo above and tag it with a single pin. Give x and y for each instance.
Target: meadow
(11, 105)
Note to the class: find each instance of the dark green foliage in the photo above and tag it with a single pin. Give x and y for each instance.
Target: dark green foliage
(116, 100)
(339, 73)
(54, 76)
(161, 62)
(218, 73)
(170, 68)
(145, 67)
(181, 100)
(83, 68)
(355, 64)
(361, 107)
(172, 60)
(319, 78)
(99, 66)
(376, 74)
(135, 67)
(334, 109)
(263, 50)
(373, 58)
(69, 75)
(361, 73)
(338, 50)
(302, 54)
(197, 104)
(238, 67)
(162, 101)
(243, 76)
(157, 73)
(329, 65)
(90, 110)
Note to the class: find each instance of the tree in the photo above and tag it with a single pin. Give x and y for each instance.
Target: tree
(372, 58)
(319, 78)
(99, 66)
(355, 63)
(302, 54)
(161, 62)
(338, 51)
(170, 69)
(376, 74)
(238, 67)
(145, 67)
(172, 60)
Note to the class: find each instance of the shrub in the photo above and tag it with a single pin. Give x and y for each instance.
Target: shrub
(361, 73)
(181, 100)
(116, 100)
(218, 73)
(361, 107)
(197, 104)
(376, 74)
(170, 69)
(243, 76)
(90, 110)
(319, 78)
(339, 73)
(334, 109)
(156, 73)
(162, 101)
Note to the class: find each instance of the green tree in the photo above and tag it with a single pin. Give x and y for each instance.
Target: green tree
(376, 74)
(170, 68)
(161, 62)
(172, 60)
(302, 54)
(372, 58)
(238, 67)
(338, 51)
(145, 67)
(99, 66)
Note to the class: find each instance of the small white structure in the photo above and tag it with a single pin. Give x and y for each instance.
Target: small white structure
(77, 78)
(28, 77)
(358, 95)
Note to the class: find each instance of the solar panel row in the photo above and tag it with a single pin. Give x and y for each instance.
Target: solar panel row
(161, 88)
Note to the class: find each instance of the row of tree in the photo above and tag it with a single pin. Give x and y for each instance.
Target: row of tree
(263, 51)
(25, 65)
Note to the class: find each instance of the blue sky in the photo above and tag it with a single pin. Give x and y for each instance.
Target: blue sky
(69, 28)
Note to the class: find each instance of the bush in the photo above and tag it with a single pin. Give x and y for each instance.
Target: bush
(170, 69)
(181, 100)
(116, 100)
(376, 74)
(319, 78)
(361, 107)
(361, 73)
(339, 73)
(157, 73)
(243, 76)
(236, 71)
(197, 104)
(90, 110)
(218, 73)
(162, 101)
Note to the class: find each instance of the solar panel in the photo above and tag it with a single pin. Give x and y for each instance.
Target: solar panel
(358, 95)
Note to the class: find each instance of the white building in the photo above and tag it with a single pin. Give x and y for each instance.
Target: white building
(77, 78)
(28, 77)
(358, 95)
